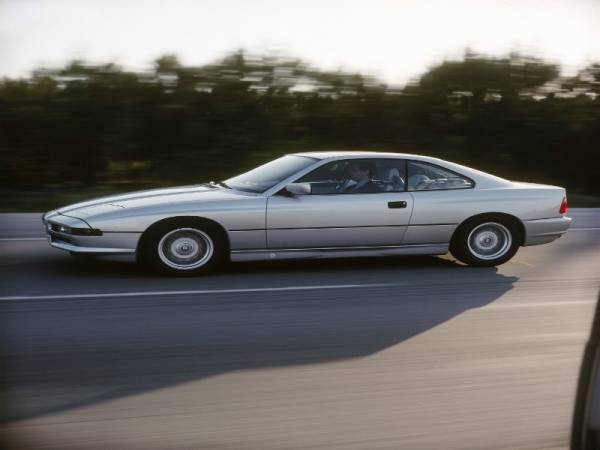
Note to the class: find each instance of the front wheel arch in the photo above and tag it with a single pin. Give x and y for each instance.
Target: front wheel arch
(201, 223)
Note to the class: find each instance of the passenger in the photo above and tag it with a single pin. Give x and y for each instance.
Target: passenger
(362, 173)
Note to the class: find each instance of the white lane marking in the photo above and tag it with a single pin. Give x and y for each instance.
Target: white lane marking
(198, 292)
(524, 263)
(584, 229)
(24, 239)
(536, 304)
(288, 288)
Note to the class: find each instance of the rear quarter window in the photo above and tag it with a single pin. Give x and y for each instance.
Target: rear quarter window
(429, 177)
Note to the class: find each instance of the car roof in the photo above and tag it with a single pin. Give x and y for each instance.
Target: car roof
(358, 154)
(482, 179)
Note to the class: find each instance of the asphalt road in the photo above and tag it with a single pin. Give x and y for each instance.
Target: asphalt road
(400, 353)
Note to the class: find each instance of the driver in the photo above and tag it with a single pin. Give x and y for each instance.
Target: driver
(362, 172)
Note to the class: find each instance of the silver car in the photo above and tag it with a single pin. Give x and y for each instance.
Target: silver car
(319, 205)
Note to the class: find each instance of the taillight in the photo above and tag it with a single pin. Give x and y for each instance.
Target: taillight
(563, 206)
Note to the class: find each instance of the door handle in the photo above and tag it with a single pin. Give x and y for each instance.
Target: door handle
(397, 205)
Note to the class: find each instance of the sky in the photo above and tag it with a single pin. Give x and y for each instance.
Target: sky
(395, 40)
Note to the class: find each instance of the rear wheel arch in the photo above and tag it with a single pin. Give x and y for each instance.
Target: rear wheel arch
(487, 240)
(514, 221)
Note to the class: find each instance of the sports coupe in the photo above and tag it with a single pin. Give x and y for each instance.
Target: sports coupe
(319, 205)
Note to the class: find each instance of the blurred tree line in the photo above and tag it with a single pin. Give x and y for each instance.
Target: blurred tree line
(90, 129)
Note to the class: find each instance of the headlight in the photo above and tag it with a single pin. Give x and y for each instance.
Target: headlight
(74, 231)
(86, 231)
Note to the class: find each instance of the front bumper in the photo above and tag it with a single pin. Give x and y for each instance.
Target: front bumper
(91, 250)
(105, 244)
(542, 231)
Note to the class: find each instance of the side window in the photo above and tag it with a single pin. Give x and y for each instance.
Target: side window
(357, 176)
(428, 177)
(391, 175)
(325, 179)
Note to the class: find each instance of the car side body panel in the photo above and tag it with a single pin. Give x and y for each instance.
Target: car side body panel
(339, 220)
(437, 214)
(124, 219)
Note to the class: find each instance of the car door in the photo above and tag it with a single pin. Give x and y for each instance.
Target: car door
(334, 216)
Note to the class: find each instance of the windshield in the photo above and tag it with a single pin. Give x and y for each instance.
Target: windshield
(268, 175)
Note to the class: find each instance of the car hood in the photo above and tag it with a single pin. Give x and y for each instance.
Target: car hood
(151, 198)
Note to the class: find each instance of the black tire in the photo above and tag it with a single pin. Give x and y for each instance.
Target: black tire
(182, 248)
(485, 241)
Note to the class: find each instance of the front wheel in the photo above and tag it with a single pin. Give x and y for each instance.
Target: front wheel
(485, 243)
(181, 249)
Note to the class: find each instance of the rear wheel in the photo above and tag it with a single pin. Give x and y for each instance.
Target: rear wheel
(182, 249)
(485, 242)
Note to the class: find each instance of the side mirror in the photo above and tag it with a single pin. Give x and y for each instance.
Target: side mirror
(298, 188)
